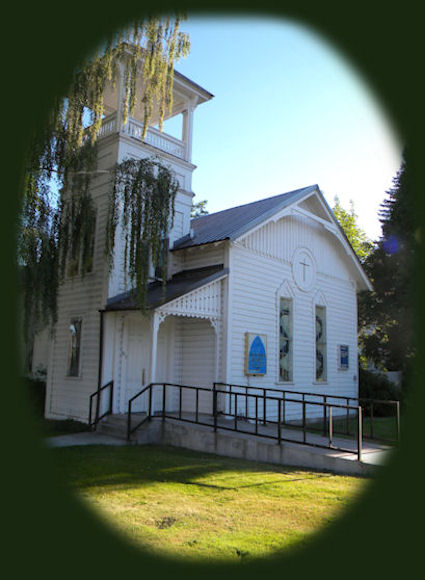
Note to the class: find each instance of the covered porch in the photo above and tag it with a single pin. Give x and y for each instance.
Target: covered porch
(177, 341)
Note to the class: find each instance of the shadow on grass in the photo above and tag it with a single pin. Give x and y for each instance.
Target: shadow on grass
(98, 466)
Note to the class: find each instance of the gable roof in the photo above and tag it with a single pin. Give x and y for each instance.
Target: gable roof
(230, 224)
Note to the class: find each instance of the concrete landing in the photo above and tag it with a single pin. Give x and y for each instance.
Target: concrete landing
(84, 438)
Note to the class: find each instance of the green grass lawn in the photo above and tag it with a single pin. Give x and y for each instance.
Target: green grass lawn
(382, 428)
(190, 505)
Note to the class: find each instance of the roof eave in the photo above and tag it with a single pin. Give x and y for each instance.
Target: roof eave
(259, 221)
(215, 276)
(187, 247)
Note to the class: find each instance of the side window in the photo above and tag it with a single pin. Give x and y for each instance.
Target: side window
(74, 347)
(285, 340)
(320, 343)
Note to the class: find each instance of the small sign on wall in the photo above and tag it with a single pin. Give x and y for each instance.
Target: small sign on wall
(255, 354)
(343, 359)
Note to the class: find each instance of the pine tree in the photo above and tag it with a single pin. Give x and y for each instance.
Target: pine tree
(386, 314)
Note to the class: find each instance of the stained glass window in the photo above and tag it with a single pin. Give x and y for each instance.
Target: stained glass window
(74, 347)
(285, 337)
(320, 343)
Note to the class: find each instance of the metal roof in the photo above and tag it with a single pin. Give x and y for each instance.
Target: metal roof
(180, 284)
(232, 223)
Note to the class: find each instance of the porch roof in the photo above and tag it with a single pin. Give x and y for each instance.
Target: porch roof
(180, 284)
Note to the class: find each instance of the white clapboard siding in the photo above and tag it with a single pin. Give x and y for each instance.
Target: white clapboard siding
(118, 282)
(207, 255)
(260, 265)
(168, 356)
(195, 361)
(280, 240)
(128, 148)
(80, 298)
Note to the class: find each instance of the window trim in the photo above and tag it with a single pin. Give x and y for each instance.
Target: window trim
(290, 341)
(285, 291)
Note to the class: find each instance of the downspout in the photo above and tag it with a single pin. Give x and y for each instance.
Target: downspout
(99, 372)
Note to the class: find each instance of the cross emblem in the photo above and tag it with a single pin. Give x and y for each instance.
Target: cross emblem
(304, 265)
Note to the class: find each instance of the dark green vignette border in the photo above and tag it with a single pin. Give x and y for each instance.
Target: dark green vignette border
(49, 532)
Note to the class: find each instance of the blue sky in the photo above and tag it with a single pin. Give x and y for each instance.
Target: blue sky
(288, 111)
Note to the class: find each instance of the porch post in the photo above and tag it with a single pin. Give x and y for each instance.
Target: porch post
(215, 323)
(154, 345)
(188, 128)
(156, 320)
(120, 98)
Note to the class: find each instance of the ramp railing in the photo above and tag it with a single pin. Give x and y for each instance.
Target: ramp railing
(344, 420)
(260, 414)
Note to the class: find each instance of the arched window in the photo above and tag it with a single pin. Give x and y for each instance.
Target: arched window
(285, 339)
(321, 358)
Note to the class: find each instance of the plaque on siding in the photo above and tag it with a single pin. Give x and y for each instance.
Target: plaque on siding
(255, 354)
(343, 351)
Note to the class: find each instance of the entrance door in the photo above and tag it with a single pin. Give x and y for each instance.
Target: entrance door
(198, 362)
(137, 365)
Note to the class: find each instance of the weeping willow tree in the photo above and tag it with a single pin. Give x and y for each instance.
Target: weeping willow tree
(57, 217)
(142, 204)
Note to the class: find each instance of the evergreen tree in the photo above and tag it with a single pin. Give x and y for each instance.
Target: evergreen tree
(386, 315)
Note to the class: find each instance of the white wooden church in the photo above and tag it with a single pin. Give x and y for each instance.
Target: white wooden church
(260, 294)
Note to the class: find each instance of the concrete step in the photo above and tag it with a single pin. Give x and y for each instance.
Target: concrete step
(112, 430)
(116, 425)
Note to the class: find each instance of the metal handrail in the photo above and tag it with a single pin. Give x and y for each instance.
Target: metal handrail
(325, 397)
(178, 415)
(131, 429)
(279, 422)
(328, 395)
(97, 418)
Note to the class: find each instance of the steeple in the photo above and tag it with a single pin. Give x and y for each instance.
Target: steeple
(122, 138)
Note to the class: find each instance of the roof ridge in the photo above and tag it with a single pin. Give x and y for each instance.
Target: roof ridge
(235, 221)
(256, 202)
